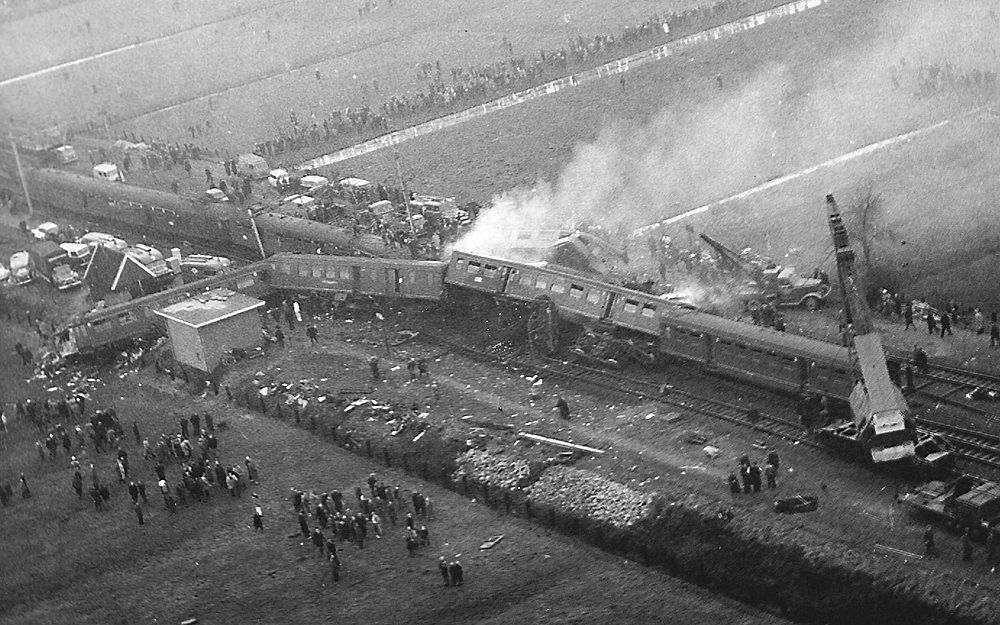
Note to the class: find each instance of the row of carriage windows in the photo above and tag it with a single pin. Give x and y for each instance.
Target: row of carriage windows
(140, 206)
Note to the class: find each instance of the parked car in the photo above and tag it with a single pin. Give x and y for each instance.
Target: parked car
(47, 230)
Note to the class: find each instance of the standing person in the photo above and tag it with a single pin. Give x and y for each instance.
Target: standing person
(966, 547)
(335, 566)
(78, 484)
(318, 540)
(771, 473)
(455, 573)
(946, 324)
(930, 549)
(258, 519)
(279, 336)
(931, 322)
(563, 407)
(755, 477)
(313, 334)
(133, 492)
(184, 427)
(443, 568)
(142, 490)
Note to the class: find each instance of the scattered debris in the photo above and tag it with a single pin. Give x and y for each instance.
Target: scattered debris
(491, 542)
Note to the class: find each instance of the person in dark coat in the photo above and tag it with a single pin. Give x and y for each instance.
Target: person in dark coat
(258, 520)
(563, 408)
(908, 316)
(946, 325)
(78, 485)
(196, 424)
(931, 323)
(184, 427)
(142, 490)
(335, 566)
(318, 540)
(455, 573)
(303, 524)
(755, 481)
(133, 492)
(772, 458)
(313, 335)
(443, 567)
(734, 484)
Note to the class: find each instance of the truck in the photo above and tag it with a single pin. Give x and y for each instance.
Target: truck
(964, 503)
(52, 263)
(769, 282)
(20, 268)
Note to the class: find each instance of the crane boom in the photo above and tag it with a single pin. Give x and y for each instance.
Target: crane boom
(855, 307)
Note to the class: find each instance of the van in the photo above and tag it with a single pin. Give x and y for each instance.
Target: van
(76, 253)
(279, 178)
(45, 231)
(106, 171)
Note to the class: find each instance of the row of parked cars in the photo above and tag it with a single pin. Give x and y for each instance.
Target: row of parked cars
(63, 263)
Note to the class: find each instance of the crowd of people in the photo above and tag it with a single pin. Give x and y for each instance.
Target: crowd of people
(749, 480)
(328, 518)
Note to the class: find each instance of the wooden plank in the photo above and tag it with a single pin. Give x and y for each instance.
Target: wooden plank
(559, 443)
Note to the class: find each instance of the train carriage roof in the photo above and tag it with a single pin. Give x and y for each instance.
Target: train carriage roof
(800, 346)
(76, 183)
(359, 261)
(882, 393)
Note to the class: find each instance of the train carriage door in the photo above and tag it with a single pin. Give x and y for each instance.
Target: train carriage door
(609, 304)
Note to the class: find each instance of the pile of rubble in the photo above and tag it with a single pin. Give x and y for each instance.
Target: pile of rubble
(586, 494)
(492, 469)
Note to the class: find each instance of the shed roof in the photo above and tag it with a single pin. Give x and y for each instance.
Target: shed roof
(209, 307)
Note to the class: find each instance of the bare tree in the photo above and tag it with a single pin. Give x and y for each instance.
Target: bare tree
(866, 215)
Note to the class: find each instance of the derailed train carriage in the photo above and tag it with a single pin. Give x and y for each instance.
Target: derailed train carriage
(172, 215)
(759, 355)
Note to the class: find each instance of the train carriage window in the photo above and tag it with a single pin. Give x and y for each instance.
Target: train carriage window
(631, 306)
(558, 288)
(594, 297)
(576, 292)
(303, 271)
(317, 271)
(345, 273)
(474, 267)
(648, 310)
(126, 317)
(285, 268)
(332, 273)
(541, 284)
(490, 271)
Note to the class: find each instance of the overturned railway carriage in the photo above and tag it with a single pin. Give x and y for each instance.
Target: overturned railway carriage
(100, 328)
(760, 355)
(151, 210)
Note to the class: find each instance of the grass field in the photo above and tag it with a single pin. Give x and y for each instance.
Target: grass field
(269, 58)
(70, 564)
(795, 94)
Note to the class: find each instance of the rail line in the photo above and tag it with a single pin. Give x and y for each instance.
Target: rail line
(520, 359)
(974, 448)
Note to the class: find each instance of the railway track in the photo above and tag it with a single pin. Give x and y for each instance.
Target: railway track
(975, 449)
(610, 383)
(951, 385)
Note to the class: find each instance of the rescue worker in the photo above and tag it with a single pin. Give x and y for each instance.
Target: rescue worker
(946, 324)
(563, 408)
(930, 549)
(443, 567)
(771, 473)
(908, 316)
(734, 484)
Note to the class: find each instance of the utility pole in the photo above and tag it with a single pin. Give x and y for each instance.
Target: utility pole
(406, 196)
(20, 174)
